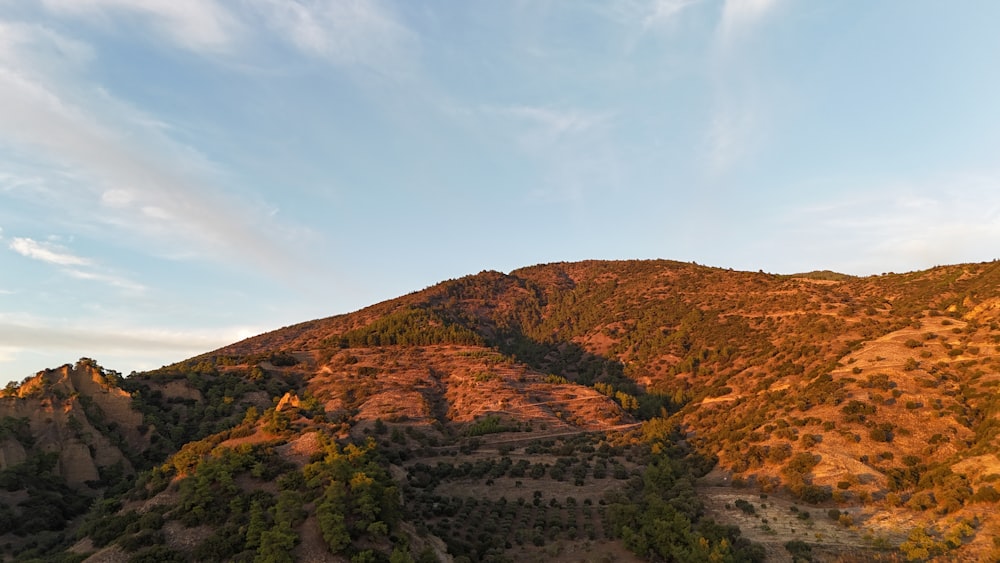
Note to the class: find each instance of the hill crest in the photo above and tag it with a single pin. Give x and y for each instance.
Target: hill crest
(871, 396)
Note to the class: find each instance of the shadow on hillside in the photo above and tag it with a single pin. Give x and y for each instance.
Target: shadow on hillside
(572, 361)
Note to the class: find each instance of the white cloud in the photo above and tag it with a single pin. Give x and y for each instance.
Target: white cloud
(744, 97)
(8, 353)
(200, 25)
(345, 32)
(94, 147)
(31, 344)
(558, 122)
(541, 127)
(117, 198)
(663, 11)
(116, 281)
(50, 50)
(739, 17)
(59, 334)
(70, 264)
(644, 14)
(904, 225)
(572, 144)
(46, 252)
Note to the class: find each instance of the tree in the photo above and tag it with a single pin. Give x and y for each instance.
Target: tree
(257, 525)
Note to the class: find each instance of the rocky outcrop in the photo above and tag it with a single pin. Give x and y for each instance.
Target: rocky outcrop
(11, 453)
(288, 401)
(79, 413)
(76, 465)
(987, 308)
(112, 403)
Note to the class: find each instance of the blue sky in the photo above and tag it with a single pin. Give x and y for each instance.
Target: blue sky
(178, 174)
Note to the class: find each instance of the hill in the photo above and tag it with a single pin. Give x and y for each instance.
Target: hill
(570, 410)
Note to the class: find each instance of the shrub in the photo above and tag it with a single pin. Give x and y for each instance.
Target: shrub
(986, 493)
(800, 550)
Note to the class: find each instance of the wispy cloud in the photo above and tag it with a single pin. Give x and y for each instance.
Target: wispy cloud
(59, 334)
(540, 127)
(889, 227)
(199, 25)
(46, 252)
(345, 32)
(572, 144)
(120, 157)
(8, 353)
(557, 121)
(644, 15)
(660, 12)
(116, 281)
(740, 114)
(742, 105)
(739, 17)
(69, 263)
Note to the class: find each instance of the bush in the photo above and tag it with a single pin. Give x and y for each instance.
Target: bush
(800, 550)
(986, 493)
(157, 554)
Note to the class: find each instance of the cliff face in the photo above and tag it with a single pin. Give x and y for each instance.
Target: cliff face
(79, 413)
(11, 453)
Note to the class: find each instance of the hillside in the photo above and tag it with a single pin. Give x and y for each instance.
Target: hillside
(574, 408)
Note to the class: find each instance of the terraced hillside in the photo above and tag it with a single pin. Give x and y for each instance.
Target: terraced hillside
(575, 410)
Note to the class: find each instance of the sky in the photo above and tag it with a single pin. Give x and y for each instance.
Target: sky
(176, 175)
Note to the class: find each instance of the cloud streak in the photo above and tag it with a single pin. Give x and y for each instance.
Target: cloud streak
(198, 25)
(541, 127)
(69, 263)
(94, 340)
(740, 118)
(343, 32)
(44, 252)
(891, 228)
(122, 158)
(663, 11)
(739, 17)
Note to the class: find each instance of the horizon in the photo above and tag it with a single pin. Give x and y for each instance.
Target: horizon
(177, 176)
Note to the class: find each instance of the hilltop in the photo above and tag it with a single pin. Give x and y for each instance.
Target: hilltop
(826, 415)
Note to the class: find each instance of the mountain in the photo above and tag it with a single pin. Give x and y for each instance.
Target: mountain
(567, 411)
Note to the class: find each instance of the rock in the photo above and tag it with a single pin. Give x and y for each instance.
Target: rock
(289, 401)
(11, 453)
(56, 404)
(76, 464)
